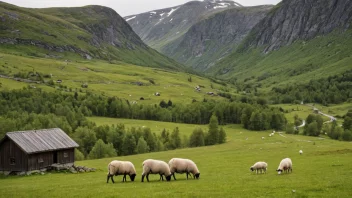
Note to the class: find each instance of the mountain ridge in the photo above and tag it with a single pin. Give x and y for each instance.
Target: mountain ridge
(92, 32)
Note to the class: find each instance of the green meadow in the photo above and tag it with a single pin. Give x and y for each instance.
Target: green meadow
(324, 170)
(121, 79)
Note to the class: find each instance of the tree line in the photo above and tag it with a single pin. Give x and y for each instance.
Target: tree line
(251, 116)
(332, 90)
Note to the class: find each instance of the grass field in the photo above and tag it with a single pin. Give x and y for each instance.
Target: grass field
(324, 170)
(118, 80)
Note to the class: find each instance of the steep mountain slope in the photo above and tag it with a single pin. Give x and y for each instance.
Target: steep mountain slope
(213, 38)
(91, 32)
(298, 41)
(160, 27)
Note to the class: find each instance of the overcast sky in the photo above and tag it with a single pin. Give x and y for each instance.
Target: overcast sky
(123, 7)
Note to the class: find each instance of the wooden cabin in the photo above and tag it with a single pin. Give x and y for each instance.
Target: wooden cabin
(36, 149)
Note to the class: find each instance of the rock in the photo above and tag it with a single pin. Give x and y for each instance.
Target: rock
(33, 172)
(21, 173)
(43, 170)
(6, 173)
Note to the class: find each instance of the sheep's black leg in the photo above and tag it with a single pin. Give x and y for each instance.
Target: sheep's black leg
(187, 175)
(161, 177)
(148, 177)
(143, 178)
(107, 179)
(124, 178)
(173, 174)
(112, 179)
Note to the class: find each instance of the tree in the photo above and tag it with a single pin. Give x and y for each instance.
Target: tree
(312, 129)
(347, 123)
(102, 150)
(163, 104)
(213, 133)
(222, 136)
(290, 128)
(78, 155)
(142, 146)
(85, 138)
(116, 136)
(150, 139)
(129, 145)
(169, 103)
(175, 139)
(197, 138)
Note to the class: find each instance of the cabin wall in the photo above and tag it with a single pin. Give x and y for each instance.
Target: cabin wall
(12, 158)
(39, 161)
(66, 156)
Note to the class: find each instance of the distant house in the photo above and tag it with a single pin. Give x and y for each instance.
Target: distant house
(36, 149)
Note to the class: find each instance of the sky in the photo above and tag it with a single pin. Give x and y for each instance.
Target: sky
(123, 7)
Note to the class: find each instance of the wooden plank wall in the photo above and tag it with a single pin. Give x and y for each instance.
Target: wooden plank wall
(8, 150)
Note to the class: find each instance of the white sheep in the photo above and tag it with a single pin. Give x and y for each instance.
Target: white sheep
(179, 165)
(263, 138)
(259, 166)
(300, 152)
(151, 166)
(124, 168)
(285, 165)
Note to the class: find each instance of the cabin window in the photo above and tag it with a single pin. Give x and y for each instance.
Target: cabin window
(40, 160)
(65, 155)
(12, 161)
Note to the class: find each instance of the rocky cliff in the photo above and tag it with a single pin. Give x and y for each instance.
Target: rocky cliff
(293, 20)
(214, 37)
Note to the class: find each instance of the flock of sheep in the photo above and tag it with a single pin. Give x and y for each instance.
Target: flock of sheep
(150, 166)
(177, 165)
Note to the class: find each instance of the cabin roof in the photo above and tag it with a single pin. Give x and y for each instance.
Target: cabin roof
(43, 140)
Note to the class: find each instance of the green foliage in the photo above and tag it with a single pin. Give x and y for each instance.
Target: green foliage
(332, 90)
(213, 132)
(102, 150)
(129, 144)
(142, 146)
(175, 139)
(290, 128)
(85, 138)
(222, 136)
(314, 125)
(197, 138)
(78, 155)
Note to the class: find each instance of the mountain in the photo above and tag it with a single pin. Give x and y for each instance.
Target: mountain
(299, 40)
(159, 27)
(90, 32)
(214, 37)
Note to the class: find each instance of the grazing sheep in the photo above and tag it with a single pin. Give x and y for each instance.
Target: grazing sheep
(179, 165)
(259, 166)
(285, 165)
(151, 166)
(263, 138)
(124, 168)
(300, 152)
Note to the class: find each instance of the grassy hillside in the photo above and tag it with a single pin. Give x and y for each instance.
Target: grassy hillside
(121, 80)
(322, 171)
(302, 61)
(75, 33)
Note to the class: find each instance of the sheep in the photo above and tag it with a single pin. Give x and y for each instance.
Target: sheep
(285, 165)
(179, 165)
(263, 138)
(259, 166)
(151, 166)
(124, 168)
(300, 152)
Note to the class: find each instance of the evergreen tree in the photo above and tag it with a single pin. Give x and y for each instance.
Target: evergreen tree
(78, 155)
(142, 146)
(197, 138)
(222, 136)
(175, 139)
(150, 139)
(129, 145)
(213, 133)
(86, 138)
